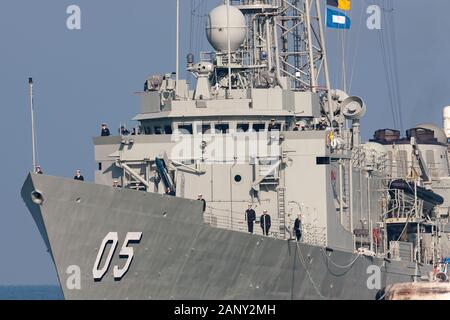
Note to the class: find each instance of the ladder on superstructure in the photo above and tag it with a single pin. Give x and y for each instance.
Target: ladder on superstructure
(281, 212)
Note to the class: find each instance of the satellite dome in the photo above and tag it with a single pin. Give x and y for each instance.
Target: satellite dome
(446, 115)
(439, 133)
(216, 28)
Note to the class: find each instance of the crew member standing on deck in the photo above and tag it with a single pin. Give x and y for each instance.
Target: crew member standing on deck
(250, 217)
(298, 228)
(39, 170)
(200, 198)
(265, 223)
(105, 130)
(78, 176)
(273, 126)
(123, 131)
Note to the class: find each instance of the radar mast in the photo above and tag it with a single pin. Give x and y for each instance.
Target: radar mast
(283, 45)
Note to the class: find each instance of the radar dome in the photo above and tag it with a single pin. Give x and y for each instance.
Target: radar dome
(446, 114)
(217, 31)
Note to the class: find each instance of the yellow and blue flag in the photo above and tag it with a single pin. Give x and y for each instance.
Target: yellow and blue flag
(340, 4)
(337, 20)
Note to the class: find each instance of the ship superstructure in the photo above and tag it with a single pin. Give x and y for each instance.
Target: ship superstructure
(262, 126)
(231, 138)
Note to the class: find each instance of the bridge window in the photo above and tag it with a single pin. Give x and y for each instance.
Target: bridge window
(168, 129)
(259, 127)
(323, 160)
(222, 127)
(185, 128)
(242, 127)
(203, 128)
(158, 130)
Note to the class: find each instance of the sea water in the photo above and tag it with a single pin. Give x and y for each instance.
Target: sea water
(30, 293)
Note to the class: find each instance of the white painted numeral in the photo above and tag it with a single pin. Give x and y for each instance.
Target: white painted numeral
(99, 273)
(125, 252)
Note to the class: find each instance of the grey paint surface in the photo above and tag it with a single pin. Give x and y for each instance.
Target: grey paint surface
(180, 257)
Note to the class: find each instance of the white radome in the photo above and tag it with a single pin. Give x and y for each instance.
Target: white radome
(446, 115)
(216, 28)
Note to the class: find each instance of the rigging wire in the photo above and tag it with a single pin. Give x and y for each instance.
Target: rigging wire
(196, 32)
(345, 49)
(36, 144)
(388, 77)
(356, 49)
(191, 26)
(388, 48)
(395, 61)
(389, 54)
(336, 73)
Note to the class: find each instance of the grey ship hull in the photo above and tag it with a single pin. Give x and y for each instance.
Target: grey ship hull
(181, 257)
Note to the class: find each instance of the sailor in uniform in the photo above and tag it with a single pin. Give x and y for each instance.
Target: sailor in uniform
(298, 228)
(250, 217)
(105, 130)
(265, 223)
(78, 176)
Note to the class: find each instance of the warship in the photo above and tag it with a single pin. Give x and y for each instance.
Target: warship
(258, 126)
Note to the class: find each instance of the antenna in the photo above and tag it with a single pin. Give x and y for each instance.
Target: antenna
(229, 46)
(177, 64)
(33, 137)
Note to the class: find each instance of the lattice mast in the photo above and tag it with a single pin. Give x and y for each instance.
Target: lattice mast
(285, 44)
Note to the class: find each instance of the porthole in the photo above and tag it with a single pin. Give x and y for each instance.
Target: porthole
(237, 178)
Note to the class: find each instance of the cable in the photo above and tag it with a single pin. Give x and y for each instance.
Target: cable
(36, 144)
(339, 266)
(191, 26)
(388, 77)
(357, 46)
(303, 262)
(395, 63)
(387, 38)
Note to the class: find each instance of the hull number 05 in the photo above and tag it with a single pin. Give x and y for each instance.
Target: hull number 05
(125, 252)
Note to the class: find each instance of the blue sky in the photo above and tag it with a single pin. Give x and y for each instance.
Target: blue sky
(89, 76)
